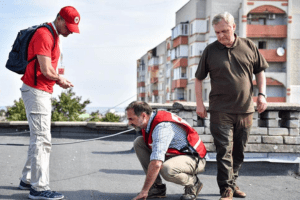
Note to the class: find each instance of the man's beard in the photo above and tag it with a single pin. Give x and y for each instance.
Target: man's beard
(138, 127)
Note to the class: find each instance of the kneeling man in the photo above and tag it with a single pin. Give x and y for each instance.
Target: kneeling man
(169, 147)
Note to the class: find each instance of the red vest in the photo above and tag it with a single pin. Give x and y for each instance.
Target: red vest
(192, 135)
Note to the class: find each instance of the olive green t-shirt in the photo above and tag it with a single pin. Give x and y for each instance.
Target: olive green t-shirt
(231, 71)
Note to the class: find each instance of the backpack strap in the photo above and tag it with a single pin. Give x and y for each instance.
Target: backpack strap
(35, 57)
(194, 155)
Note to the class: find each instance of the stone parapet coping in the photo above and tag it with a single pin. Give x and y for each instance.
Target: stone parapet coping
(271, 106)
(67, 123)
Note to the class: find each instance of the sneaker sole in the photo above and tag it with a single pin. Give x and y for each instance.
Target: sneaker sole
(23, 188)
(47, 198)
(157, 197)
(199, 190)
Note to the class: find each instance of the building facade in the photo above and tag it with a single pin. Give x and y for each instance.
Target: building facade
(167, 72)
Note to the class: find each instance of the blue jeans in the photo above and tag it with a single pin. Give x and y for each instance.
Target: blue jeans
(230, 132)
(38, 112)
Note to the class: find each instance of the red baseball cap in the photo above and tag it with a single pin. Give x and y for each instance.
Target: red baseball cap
(71, 17)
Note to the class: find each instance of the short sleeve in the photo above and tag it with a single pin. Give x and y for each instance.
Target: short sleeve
(42, 42)
(260, 63)
(202, 69)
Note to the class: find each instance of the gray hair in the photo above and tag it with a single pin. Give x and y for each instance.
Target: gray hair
(226, 16)
(139, 107)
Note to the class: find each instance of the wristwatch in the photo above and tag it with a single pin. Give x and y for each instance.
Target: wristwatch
(262, 95)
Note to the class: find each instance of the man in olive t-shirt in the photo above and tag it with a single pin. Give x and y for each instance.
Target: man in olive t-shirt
(231, 62)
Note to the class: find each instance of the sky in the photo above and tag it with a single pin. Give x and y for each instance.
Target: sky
(101, 60)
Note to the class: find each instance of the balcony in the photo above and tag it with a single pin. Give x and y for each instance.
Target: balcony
(154, 80)
(270, 81)
(153, 68)
(155, 92)
(181, 62)
(142, 94)
(272, 99)
(180, 83)
(180, 40)
(266, 31)
(271, 55)
(153, 61)
(141, 84)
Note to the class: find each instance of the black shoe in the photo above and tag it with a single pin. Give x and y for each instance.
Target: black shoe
(24, 186)
(191, 192)
(157, 191)
(48, 194)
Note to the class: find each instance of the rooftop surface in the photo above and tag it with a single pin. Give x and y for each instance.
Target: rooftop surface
(109, 170)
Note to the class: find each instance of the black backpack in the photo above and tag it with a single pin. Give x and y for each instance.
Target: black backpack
(17, 58)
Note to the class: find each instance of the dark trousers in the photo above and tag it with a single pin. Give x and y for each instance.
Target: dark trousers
(230, 132)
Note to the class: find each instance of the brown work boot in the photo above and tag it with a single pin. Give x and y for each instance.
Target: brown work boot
(227, 194)
(191, 192)
(157, 191)
(238, 192)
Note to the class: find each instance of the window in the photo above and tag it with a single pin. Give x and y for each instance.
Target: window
(160, 86)
(184, 29)
(168, 70)
(180, 29)
(190, 95)
(141, 89)
(168, 96)
(169, 53)
(173, 54)
(205, 94)
(179, 73)
(179, 94)
(183, 72)
(207, 25)
(191, 51)
(141, 79)
(161, 73)
(180, 51)
(168, 82)
(192, 71)
(153, 61)
(177, 51)
(262, 45)
(161, 60)
(192, 29)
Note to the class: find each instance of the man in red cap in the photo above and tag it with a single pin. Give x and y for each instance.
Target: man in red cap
(37, 88)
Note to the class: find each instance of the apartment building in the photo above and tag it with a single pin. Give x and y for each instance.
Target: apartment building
(167, 72)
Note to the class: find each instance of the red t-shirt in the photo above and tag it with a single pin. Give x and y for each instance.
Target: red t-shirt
(42, 44)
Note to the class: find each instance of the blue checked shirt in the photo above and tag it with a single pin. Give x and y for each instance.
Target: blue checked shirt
(166, 135)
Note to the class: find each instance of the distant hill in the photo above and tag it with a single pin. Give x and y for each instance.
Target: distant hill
(103, 110)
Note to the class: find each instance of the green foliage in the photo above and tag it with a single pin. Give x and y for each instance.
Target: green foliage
(68, 107)
(110, 117)
(2, 112)
(95, 117)
(17, 111)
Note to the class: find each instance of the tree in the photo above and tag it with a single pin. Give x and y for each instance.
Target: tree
(68, 107)
(110, 117)
(2, 112)
(95, 117)
(17, 111)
